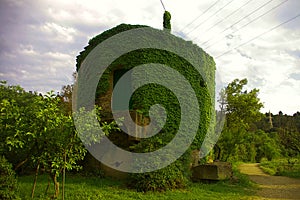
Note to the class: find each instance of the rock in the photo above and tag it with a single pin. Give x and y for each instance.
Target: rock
(213, 171)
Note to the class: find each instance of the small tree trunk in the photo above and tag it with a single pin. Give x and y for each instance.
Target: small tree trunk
(35, 179)
(49, 180)
(217, 152)
(64, 176)
(20, 164)
(56, 186)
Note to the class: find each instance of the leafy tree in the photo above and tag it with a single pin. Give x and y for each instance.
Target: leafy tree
(8, 181)
(66, 96)
(35, 129)
(58, 146)
(40, 131)
(242, 109)
(16, 111)
(286, 128)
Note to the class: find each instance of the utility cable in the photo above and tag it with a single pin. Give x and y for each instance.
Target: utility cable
(200, 15)
(162, 3)
(209, 17)
(245, 25)
(254, 38)
(228, 16)
(241, 19)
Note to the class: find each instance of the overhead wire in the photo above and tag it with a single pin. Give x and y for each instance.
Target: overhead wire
(242, 6)
(245, 25)
(254, 38)
(209, 17)
(241, 19)
(162, 3)
(200, 15)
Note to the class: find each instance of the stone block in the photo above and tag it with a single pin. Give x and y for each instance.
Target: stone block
(213, 171)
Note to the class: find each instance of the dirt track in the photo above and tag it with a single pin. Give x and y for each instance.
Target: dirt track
(272, 187)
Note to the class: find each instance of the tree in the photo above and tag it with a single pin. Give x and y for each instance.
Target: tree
(242, 109)
(8, 181)
(35, 129)
(58, 146)
(16, 111)
(287, 128)
(40, 131)
(66, 96)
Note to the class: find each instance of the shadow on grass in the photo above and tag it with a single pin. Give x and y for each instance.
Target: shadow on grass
(81, 187)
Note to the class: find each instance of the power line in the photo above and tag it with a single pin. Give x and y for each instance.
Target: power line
(254, 38)
(210, 17)
(163, 5)
(245, 25)
(200, 15)
(228, 15)
(241, 19)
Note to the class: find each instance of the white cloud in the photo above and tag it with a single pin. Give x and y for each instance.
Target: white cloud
(57, 32)
(27, 50)
(39, 41)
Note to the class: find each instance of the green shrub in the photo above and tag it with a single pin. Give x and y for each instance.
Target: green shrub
(282, 167)
(175, 176)
(8, 181)
(160, 180)
(263, 159)
(268, 170)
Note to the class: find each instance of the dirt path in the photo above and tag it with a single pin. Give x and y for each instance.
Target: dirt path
(272, 187)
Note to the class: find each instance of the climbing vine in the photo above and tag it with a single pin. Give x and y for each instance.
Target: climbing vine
(151, 94)
(167, 20)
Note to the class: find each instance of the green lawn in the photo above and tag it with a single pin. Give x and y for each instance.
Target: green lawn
(79, 187)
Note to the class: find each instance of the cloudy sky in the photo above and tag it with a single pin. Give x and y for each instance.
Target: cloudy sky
(257, 40)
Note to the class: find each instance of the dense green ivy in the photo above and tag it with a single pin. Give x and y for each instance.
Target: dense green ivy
(167, 20)
(100, 38)
(151, 94)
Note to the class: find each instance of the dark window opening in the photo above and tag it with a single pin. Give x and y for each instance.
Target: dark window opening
(119, 103)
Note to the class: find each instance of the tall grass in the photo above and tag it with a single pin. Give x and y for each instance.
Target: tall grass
(282, 167)
(242, 179)
(80, 187)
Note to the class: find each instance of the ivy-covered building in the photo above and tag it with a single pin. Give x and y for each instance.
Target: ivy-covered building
(201, 79)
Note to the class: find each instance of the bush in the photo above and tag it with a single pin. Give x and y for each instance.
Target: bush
(282, 167)
(171, 177)
(270, 171)
(8, 181)
(174, 176)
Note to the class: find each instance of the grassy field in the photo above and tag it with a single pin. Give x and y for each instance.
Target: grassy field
(282, 167)
(80, 187)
